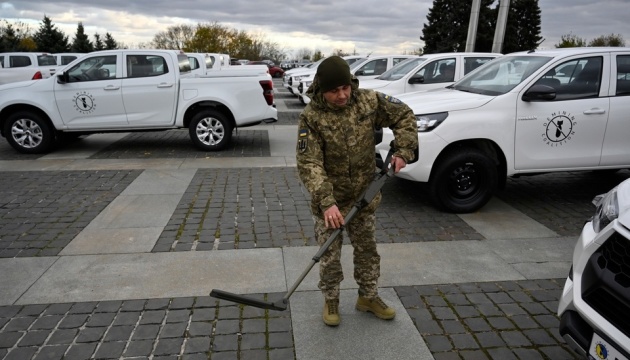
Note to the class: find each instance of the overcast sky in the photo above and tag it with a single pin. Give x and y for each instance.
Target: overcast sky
(364, 26)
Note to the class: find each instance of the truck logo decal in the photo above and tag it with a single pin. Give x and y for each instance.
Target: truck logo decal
(559, 128)
(84, 102)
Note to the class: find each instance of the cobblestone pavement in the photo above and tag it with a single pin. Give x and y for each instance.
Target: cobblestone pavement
(41, 212)
(503, 320)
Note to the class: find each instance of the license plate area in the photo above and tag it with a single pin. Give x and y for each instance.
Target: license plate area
(601, 349)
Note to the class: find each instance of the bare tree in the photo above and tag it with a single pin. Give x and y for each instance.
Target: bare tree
(175, 37)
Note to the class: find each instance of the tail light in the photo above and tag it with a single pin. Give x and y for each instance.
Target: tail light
(37, 76)
(267, 86)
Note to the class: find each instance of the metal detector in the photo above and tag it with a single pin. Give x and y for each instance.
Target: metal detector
(366, 198)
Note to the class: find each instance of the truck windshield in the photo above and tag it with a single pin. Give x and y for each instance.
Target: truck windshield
(401, 69)
(501, 75)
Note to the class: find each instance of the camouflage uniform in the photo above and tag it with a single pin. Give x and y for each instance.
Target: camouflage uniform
(336, 163)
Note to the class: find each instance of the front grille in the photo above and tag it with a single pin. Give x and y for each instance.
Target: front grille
(606, 282)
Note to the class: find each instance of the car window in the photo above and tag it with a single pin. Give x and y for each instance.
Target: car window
(46, 60)
(67, 59)
(397, 61)
(501, 75)
(93, 69)
(623, 75)
(19, 61)
(575, 79)
(374, 67)
(473, 62)
(151, 65)
(402, 69)
(438, 71)
(194, 64)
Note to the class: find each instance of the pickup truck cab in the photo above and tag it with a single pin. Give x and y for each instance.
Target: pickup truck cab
(21, 66)
(63, 59)
(521, 114)
(364, 70)
(429, 71)
(132, 90)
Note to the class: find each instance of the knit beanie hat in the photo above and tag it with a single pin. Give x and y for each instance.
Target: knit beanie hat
(333, 72)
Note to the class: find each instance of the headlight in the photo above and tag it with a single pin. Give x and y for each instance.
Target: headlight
(607, 209)
(298, 78)
(430, 121)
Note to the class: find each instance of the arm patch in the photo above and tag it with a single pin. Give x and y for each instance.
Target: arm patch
(389, 98)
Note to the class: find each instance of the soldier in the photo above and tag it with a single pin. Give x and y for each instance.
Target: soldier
(336, 163)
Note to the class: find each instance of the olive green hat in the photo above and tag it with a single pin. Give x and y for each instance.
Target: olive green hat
(333, 72)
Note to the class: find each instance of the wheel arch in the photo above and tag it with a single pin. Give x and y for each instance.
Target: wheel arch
(207, 105)
(487, 146)
(7, 111)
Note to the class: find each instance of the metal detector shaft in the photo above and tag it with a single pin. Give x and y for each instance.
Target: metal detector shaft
(367, 197)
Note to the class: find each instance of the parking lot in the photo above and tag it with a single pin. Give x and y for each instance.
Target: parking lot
(109, 247)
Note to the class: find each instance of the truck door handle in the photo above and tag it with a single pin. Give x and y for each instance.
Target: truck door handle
(595, 111)
(111, 87)
(165, 85)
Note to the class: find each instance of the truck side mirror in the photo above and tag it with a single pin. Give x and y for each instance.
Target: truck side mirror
(63, 78)
(416, 79)
(539, 92)
(359, 73)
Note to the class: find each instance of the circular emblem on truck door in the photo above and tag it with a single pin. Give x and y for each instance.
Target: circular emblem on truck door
(559, 128)
(84, 102)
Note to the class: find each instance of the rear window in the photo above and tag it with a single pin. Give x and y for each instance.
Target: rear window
(67, 59)
(46, 60)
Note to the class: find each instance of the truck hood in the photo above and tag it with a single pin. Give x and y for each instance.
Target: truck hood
(374, 83)
(19, 84)
(440, 100)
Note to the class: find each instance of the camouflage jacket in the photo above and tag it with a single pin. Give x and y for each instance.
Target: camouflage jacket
(335, 148)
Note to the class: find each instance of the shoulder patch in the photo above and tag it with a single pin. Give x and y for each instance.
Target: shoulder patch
(303, 132)
(389, 98)
(303, 140)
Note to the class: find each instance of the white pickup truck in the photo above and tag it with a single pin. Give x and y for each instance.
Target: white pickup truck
(427, 72)
(216, 65)
(20, 66)
(132, 90)
(520, 114)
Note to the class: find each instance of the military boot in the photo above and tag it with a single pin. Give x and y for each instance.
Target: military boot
(376, 306)
(331, 312)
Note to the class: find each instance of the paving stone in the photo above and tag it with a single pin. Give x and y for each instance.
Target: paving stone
(54, 352)
(34, 338)
(173, 330)
(119, 333)
(225, 343)
(253, 341)
(139, 348)
(463, 341)
(438, 343)
(110, 350)
(281, 354)
(197, 345)
(21, 353)
(489, 339)
(80, 351)
(473, 355)
(502, 354)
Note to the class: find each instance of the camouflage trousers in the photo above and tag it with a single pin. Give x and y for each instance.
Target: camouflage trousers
(367, 268)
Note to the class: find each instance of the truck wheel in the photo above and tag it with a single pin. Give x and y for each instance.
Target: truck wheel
(210, 130)
(463, 181)
(28, 133)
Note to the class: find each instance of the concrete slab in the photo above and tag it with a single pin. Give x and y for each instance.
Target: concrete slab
(85, 147)
(157, 275)
(123, 164)
(233, 162)
(137, 211)
(359, 336)
(498, 220)
(160, 181)
(18, 274)
(113, 241)
(537, 258)
(413, 264)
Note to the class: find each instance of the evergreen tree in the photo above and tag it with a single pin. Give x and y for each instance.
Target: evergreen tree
(523, 26)
(446, 29)
(81, 43)
(50, 39)
(110, 43)
(98, 43)
(10, 40)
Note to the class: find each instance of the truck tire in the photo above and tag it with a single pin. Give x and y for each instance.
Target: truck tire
(29, 133)
(210, 130)
(463, 181)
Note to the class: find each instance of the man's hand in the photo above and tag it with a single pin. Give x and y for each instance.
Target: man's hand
(333, 218)
(398, 163)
